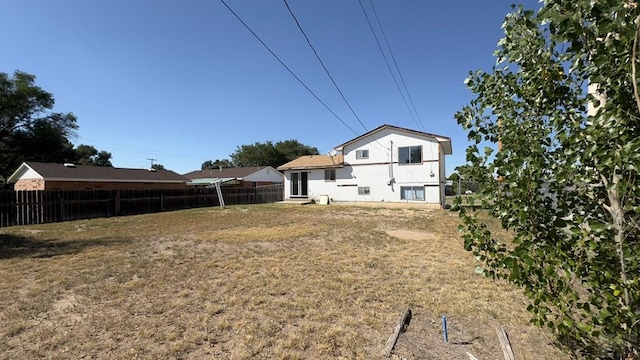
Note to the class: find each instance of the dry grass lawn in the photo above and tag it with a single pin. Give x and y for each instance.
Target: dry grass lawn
(254, 282)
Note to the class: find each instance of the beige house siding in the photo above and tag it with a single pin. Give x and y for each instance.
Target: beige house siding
(29, 184)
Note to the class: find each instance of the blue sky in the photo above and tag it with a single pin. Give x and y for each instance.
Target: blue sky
(184, 82)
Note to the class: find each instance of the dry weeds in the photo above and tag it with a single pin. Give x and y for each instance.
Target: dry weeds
(253, 282)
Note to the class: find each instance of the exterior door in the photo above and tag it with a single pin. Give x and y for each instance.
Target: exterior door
(299, 184)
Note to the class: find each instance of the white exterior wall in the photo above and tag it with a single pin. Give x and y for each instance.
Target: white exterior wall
(314, 176)
(267, 174)
(30, 174)
(443, 176)
(375, 172)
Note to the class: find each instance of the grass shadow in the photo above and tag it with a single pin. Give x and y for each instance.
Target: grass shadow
(14, 246)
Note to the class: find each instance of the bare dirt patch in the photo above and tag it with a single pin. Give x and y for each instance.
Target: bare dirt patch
(410, 235)
(254, 282)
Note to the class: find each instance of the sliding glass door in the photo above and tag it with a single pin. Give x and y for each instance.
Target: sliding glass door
(299, 184)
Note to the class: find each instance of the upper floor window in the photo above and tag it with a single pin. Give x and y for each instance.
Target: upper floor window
(362, 154)
(410, 155)
(329, 174)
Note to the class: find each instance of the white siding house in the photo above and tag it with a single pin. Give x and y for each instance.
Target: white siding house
(240, 177)
(387, 164)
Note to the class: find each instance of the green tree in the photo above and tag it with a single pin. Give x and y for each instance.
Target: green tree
(158, 167)
(565, 181)
(85, 154)
(103, 159)
(208, 165)
(292, 149)
(29, 130)
(257, 154)
(89, 155)
(270, 154)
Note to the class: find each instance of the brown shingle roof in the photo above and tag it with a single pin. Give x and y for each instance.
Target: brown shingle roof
(60, 172)
(314, 162)
(239, 172)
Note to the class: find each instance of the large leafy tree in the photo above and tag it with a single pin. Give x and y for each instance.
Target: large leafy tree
(29, 129)
(270, 154)
(564, 105)
(208, 165)
(292, 149)
(89, 155)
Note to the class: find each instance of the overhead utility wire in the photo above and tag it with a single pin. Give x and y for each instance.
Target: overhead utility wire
(323, 66)
(111, 146)
(329, 74)
(387, 62)
(286, 67)
(384, 35)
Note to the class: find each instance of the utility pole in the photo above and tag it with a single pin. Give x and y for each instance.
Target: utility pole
(152, 160)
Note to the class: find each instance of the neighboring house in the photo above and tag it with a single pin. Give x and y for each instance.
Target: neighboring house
(389, 163)
(47, 176)
(238, 177)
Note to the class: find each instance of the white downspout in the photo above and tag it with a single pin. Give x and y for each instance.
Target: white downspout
(391, 179)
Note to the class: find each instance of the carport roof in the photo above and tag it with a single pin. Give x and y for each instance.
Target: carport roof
(237, 172)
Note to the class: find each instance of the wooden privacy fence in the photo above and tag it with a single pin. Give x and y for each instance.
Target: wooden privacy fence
(46, 206)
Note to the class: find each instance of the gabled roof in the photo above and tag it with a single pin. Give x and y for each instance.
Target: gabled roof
(238, 172)
(314, 162)
(444, 141)
(68, 172)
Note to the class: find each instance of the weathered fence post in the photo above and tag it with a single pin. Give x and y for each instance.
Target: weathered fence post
(401, 325)
(505, 344)
(117, 203)
(27, 207)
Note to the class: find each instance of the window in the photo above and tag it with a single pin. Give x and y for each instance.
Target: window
(330, 175)
(362, 154)
(364, 190)
(410, 155)
(412, 193)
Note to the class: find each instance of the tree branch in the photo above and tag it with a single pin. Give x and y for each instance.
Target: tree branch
(634, 54)
(634, 223)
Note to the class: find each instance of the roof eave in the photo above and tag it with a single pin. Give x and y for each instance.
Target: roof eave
(440, 138)
(336, 166)
(23, 168)
(118, 180)
(446, 145)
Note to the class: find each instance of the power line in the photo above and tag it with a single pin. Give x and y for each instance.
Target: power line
(151, 152)
(389, 65)
(329, 74)
(286, 67)
(322, 64)
(384, 35)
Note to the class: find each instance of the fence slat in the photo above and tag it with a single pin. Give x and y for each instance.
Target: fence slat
(8, 208)
(28, 207)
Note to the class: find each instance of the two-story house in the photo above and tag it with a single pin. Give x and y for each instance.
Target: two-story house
(387, 164)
